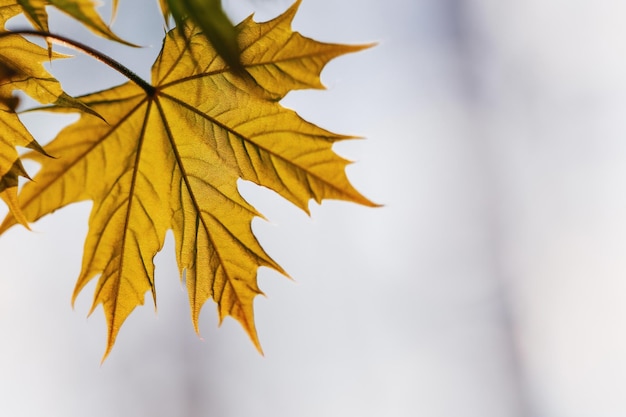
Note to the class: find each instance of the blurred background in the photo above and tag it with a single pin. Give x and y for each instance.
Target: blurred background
(491, 284)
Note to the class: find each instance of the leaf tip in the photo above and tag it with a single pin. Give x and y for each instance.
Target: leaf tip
(195, 321)
(259, 349)
(254, 337)
(106, 354)
(111, 336)
(16, 216)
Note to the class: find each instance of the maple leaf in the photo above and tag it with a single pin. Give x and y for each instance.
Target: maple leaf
(170, 157)
(21, 69)
(82, 10)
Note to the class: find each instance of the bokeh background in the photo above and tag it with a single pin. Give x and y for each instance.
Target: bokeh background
(491, 284)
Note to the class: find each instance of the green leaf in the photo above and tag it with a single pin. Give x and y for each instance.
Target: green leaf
(209, 16)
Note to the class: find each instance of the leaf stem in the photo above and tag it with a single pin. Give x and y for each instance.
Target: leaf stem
(105, 59)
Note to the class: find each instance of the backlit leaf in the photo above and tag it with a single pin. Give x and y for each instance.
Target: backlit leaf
(170, 156)
(82, 10)
(21, 69)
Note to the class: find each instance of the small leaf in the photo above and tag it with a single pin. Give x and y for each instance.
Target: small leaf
(82, 10)
(21, 69)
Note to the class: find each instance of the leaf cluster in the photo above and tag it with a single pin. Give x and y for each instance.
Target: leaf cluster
(167, 154)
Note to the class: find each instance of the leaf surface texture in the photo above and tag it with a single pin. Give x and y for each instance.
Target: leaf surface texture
(170, 156)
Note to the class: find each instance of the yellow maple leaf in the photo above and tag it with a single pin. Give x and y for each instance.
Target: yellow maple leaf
(21, 69)
(169, 157)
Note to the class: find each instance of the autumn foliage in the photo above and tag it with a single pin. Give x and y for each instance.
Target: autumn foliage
(167, 154)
